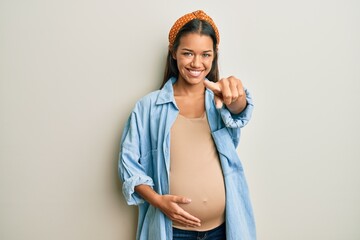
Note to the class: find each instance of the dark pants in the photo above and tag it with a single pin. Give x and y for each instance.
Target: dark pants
(217, 233)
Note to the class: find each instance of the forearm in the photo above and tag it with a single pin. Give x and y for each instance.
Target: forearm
(147, 193)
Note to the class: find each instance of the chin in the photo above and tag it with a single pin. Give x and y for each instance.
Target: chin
(195, 81)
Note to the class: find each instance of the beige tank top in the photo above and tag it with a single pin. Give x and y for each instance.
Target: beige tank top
(195, 172)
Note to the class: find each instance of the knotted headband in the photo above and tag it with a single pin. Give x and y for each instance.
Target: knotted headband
(201, 15)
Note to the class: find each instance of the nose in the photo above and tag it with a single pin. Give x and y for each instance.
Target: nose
(196, 62)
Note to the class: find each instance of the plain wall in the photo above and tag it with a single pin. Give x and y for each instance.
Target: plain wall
(71, 71)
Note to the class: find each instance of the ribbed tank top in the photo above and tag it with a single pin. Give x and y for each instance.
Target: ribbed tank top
(195, 172)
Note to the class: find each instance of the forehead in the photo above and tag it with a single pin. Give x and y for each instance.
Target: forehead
(196, 41)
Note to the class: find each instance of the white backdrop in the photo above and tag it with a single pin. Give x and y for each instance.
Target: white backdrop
(71, 70)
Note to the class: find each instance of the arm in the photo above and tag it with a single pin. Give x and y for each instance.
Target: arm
(131, 172)
(236, 114)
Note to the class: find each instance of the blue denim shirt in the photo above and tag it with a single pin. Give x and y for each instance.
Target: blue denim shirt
(145, 159)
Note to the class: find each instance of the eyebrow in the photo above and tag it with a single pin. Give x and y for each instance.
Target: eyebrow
(186, 49)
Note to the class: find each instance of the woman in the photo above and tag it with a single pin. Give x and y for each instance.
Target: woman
(178, 159)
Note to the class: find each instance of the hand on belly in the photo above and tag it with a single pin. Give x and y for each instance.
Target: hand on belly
(210, 209)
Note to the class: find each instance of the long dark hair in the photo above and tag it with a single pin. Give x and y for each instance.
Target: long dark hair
(194, 26)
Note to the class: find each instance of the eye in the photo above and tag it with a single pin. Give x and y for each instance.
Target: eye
(187, 54)
(206, 55)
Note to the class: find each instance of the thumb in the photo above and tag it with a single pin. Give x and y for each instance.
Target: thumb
(218, 102)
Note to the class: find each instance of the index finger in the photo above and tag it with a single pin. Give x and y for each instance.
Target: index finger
(212, 86)
(190, 218)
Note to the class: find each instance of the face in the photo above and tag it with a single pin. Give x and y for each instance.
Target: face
(194, 56)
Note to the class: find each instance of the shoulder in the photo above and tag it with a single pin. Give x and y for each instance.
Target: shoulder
(156, 99)
(146, 102)
(149, 98)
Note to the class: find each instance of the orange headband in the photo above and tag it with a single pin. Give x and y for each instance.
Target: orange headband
(201, 15)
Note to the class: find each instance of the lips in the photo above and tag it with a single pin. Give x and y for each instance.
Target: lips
(195, 73)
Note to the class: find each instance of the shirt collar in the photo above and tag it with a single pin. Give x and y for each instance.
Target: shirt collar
(166, 94)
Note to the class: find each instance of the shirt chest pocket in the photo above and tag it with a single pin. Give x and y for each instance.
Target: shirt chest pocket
(229, 158)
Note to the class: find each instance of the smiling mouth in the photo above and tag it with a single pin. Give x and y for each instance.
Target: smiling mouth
(195, 73)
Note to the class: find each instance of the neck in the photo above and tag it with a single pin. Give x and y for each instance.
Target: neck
(183, 89)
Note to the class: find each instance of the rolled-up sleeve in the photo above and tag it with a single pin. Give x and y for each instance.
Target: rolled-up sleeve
(131, 172)
(241, 119)
(234, 122)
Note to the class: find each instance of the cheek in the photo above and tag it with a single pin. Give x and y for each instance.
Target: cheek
(209, 63)
(180, 64)
(183, 62)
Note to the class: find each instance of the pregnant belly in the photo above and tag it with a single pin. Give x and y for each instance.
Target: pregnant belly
(207, 199)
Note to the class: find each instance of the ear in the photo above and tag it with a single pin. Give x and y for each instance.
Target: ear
(173, 54)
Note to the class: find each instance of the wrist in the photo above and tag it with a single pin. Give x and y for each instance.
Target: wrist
(148, 194)
(155, 200)
(238, 106)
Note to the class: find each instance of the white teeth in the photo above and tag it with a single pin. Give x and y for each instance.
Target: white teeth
(195, 73)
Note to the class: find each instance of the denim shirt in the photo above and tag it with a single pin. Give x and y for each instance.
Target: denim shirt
(145, 159)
